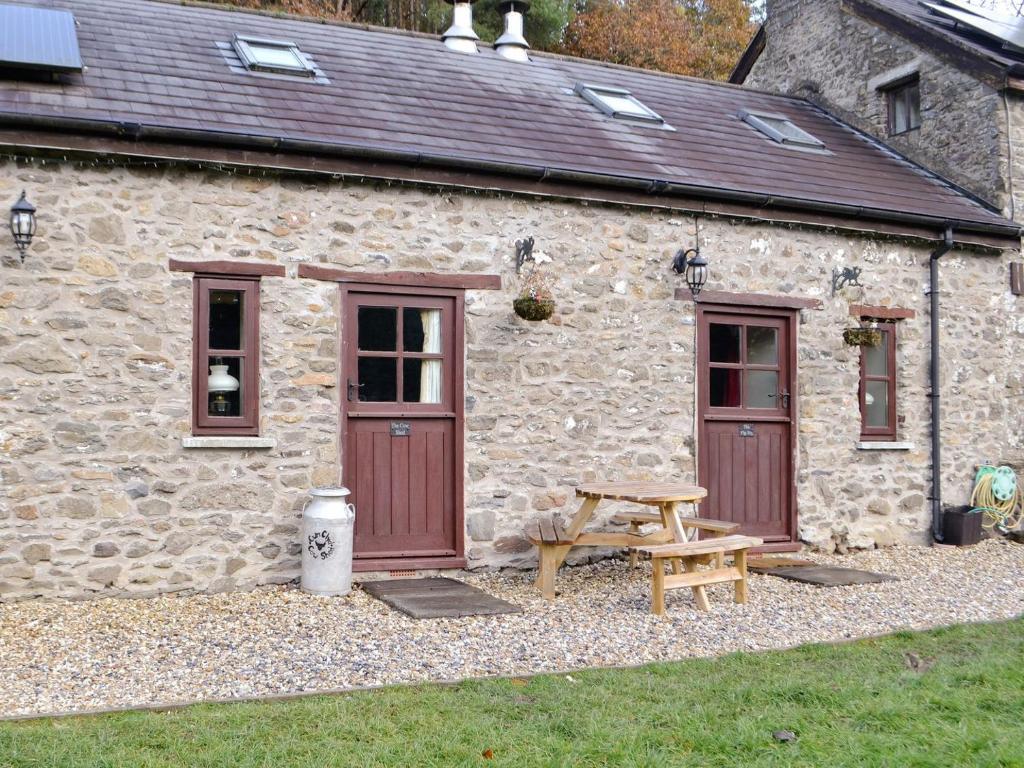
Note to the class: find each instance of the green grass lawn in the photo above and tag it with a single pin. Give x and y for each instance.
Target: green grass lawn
(859, 704)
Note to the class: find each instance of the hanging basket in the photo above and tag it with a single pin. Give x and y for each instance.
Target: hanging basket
(863, 337)
(534, 309)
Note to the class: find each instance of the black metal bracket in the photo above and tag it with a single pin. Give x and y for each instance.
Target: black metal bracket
(524, 253)
(848, 277)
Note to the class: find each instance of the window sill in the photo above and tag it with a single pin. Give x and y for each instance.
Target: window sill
(227, 441)
(880, 445)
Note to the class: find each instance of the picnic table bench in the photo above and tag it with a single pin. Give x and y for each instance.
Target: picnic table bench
(671, 539)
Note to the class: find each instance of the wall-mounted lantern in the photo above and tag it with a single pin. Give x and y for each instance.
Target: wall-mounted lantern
(694, 266)
(23, 224)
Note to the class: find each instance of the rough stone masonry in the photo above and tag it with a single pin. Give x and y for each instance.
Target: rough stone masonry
(99, 496)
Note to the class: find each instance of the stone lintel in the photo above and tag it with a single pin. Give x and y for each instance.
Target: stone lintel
(227, 441)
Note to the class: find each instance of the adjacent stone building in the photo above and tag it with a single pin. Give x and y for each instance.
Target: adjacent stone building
(856, 57)
(342, 240)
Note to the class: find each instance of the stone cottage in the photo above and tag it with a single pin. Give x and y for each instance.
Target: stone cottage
(936, 81)
(271, 254)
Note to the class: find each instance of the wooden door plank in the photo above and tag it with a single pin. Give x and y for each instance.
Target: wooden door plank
(417, 481)
(362, 461)
(399, 485)
(381, 469)
(435, 482)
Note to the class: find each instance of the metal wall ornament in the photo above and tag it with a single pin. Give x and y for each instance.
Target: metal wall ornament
(23, 224)
(848, 277)
(524, 253)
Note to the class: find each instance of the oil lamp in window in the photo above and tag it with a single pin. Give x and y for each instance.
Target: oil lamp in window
(219, 384)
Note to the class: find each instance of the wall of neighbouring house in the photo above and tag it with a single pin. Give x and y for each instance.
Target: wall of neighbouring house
(821, 50)
(98, 495)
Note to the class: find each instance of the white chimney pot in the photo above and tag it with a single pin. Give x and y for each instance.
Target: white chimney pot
(512, 45)
(460, 35)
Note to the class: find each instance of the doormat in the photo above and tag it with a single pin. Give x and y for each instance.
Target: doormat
(437, 598)
(828, 576)
(765, 564)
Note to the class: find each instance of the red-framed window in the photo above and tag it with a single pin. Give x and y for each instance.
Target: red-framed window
(878, 387)
(225, 366)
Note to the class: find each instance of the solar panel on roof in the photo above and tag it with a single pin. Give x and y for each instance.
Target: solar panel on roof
(38, 38)
(1007, 30)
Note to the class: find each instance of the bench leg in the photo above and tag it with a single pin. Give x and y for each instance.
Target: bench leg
(700, 595)
(742, 590)
(550, 557)
(634, 556)
(677, 565)
(658, 588)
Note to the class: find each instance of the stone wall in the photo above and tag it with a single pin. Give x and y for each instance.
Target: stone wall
(820, 50)
(99, 497)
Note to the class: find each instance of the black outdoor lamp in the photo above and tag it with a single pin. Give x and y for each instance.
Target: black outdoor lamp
(23, 224)
(694, 266)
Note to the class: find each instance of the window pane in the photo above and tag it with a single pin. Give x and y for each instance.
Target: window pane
(914, 105)
(276, 56)
(224, 386)
(378, 379)
(762, 389)
(876, 404)
(725, 388)
(876, 359)
(725, 343)
(226, 312)
(378, 329)
(900, 118)
(762, 345)
(421, 330)
(421, 382)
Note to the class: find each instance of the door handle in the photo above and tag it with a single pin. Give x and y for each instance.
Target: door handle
(784, 394)
(353, 390)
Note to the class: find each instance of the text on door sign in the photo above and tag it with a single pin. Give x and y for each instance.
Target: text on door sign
(746, 430)
(401, 428)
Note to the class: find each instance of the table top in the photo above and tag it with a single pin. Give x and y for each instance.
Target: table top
(642, 492)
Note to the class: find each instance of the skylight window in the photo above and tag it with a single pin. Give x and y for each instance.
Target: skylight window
(781, 129)
(276, 56)
(617, 102)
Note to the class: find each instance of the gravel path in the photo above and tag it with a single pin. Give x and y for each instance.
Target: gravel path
(79, 656)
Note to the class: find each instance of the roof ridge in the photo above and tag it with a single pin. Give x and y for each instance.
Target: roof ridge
(266, 12)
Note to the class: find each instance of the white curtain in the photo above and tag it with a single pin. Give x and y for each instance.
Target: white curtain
(430, 372)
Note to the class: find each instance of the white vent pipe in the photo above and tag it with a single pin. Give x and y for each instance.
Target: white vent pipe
(460, 35)
(512, 45)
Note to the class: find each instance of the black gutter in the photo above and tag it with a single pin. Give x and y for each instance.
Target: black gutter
(138, 132)
(935, 394)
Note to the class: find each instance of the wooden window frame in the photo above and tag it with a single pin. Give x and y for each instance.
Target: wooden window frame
(248, 422)
(887, 433)
(900, 90)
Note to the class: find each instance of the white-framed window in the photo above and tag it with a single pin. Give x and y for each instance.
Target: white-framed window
(781, 129)
(618, 102)
(279, 56)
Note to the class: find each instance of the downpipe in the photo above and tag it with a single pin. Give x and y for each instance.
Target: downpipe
(935, 394)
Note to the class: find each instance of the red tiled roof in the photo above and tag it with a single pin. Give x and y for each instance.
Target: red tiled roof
(159, 65)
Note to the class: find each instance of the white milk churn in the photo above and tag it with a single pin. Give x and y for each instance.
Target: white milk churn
(327, 523)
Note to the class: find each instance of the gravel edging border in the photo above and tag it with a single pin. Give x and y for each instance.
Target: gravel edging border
(279, 697)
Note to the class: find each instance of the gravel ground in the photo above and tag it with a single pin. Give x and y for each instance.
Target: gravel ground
(58, 657)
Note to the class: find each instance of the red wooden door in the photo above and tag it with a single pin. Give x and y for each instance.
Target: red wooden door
(747, 400)
(402, 428)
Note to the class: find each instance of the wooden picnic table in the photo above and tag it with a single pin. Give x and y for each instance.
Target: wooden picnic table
(555, 542)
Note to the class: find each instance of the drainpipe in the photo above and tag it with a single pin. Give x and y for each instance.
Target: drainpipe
(933, 292)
